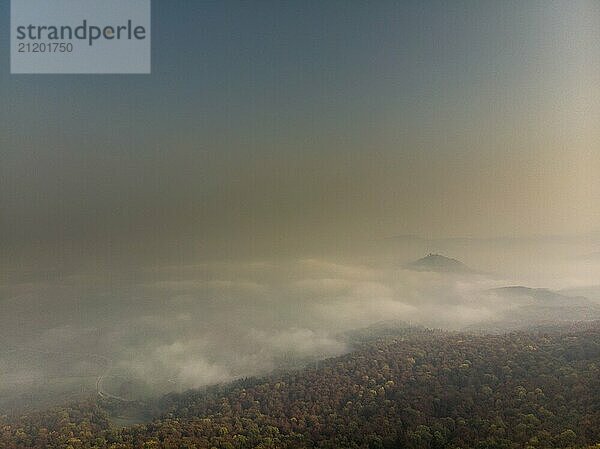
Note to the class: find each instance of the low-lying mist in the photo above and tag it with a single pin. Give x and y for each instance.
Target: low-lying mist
(168, 328)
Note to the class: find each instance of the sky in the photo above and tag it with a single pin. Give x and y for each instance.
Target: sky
(294, 127)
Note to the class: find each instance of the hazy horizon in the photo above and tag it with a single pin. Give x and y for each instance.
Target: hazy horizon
(286, 128)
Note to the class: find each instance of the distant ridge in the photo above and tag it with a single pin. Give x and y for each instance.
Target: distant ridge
(539, 294)
(541, 305)
(439, 264)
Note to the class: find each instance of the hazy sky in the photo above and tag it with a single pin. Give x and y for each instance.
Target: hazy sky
(288, 126)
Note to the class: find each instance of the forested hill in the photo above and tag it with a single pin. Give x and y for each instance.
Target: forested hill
(430, 390)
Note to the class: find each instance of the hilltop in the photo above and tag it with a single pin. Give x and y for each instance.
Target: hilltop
(440, 264)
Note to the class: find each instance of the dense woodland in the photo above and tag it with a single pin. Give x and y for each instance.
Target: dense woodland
(424, 389)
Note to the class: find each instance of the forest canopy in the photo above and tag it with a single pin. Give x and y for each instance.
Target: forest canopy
(417, 389)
